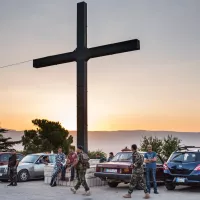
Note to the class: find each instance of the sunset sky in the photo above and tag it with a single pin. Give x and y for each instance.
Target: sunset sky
(156, 88)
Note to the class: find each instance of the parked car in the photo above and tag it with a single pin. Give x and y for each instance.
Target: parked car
(4, 157)
(30, 166)
(183, 167)
(119, 170)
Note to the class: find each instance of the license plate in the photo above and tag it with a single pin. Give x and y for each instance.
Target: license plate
(180, 180)
(111, 170)
(1, 174)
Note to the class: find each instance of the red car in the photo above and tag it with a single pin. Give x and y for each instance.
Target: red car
(4, 157)
(119, 169)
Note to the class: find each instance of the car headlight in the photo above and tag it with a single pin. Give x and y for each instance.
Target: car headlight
(5, 170)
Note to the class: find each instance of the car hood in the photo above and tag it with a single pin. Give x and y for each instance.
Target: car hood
(3, 166)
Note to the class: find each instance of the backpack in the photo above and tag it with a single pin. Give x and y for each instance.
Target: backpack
(85, 160)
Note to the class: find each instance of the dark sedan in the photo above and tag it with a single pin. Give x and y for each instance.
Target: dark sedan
(119, 169)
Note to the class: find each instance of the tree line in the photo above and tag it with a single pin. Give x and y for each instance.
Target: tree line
(49, 135)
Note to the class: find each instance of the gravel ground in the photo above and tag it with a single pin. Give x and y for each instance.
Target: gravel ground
(37, 190)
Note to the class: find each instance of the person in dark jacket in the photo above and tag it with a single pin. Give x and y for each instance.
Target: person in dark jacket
(111, 156)
(12, 168)
(101, 158)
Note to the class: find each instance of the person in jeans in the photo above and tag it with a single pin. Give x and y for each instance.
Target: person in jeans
(150, 159)
(71, 159)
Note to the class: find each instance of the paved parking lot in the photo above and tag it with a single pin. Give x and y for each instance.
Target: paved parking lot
(37, 190)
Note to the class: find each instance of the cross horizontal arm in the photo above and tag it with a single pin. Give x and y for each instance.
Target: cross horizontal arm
(110, 49)
(54, 60)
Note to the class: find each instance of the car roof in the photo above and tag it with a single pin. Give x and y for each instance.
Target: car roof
(41, 154)
(8, 153)
(185, 151)
(142, 152)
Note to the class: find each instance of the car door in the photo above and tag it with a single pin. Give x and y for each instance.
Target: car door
(159, 169)
(19, 157)
(39, 168)
(4, 158)
(52, 159)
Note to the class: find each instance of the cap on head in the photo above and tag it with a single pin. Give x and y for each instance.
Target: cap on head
(80, 147)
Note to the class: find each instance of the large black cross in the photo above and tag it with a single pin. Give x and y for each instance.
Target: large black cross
(81, 55)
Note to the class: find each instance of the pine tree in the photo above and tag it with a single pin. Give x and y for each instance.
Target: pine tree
(5, 143)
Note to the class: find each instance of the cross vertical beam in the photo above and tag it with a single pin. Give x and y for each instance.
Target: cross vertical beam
(82, 124)
(81, 55)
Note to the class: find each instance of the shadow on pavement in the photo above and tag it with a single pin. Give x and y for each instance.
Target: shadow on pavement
(195, 189)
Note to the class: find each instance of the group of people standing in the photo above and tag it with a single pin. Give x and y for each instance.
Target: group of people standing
(138, 171)
(78, 161)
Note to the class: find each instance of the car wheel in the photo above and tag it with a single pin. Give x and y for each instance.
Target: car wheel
(170, 186)
(23, 175)
(113, 184)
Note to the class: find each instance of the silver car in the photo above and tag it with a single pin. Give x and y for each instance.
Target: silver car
(31, 167)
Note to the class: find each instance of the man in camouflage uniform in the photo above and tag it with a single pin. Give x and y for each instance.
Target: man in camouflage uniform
(60, 162)
(81, 165)
(138, 173)
(12, 168)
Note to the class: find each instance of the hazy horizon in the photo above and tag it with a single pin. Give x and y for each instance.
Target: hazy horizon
(102, 139)
(155, 88)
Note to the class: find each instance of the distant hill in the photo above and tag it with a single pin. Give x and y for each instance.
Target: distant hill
(116, 140)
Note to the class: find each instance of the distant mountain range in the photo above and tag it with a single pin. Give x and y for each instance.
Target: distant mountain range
(116, 140)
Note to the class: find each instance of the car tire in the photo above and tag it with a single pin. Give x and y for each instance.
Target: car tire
(113, 184)
(23, 175)
(170, 186)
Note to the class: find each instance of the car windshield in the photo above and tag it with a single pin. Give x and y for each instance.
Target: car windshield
(122, 156)
(30, 159)
(185, 157)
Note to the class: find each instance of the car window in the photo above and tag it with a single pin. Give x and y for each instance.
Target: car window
(5, 157)
(159, 161)
(30, 159)
(19, 157)
(122, 157)
(184, 157)
(52, 158)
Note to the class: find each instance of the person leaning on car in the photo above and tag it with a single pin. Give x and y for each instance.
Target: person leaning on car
(45, 160)
(150, 160)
